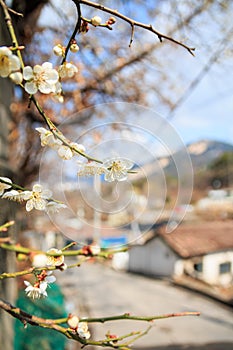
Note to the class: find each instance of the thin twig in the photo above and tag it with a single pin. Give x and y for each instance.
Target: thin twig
(76, 29)
(127, 316)
(134, 23)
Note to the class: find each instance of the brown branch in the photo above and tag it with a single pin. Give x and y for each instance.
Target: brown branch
(134, 24)
(55, 324)
(25, 317)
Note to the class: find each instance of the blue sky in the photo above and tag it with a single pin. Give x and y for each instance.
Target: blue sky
(207, 113)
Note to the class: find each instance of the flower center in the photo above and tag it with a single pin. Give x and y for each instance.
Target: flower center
(36, 195)
(4, 60)
(116, 166)
(40, 78)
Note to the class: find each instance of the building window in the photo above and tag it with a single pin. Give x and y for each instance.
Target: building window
(225, 267)
(198, 267)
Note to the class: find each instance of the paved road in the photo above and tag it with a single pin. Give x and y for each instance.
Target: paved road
(100, 291)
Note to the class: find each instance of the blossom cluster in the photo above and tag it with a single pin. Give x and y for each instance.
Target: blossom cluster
(43, 279)
(113, 169)
(65, 152)
(38, 289)
(79, 327)
(38, 198)
(43, 78)
(9, 64)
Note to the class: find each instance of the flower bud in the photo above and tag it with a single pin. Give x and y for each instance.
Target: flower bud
(21, 257)
(96, 21)
(74, 48)
(16, 77)
(58, 50)
(73, 321)
(111, 20)
(39, 260)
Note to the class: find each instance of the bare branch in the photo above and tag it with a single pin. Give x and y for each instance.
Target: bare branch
(134, 24)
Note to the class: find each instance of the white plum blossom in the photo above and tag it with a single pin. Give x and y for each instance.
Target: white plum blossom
(66, 152)
(37, 198)
(42, 78)
(53, 207)
(117, 169)
(4, 186)
(83, 331)
(67, 70)
(37, 291)
(8, 62)
(48, 139)
(96, 21)
(55, 260)
(90, 169)
(14, 195)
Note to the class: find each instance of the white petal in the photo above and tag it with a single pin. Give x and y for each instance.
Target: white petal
(40, 204)
(65, 152)
(41, 130)
(26, 195)
(47, 65)
(27, 283)
(29, 205)
(109, 176)
(46, 194)
(7, 180)
(50, 279)
(37, 69)
(121, 176)
(16, 77)
(79, 146)
(31, 88)
(43, 286)
(5, 51)
(127, 164)
(27, 73)
(14, 62)
(52, 77)
(45, 87)
(4, 71)
(37, 188)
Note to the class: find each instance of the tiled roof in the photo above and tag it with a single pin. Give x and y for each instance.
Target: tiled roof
(201, 238)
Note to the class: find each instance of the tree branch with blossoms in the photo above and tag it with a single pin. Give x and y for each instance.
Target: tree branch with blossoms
(45, 79)
(78, 328)
(133, 24)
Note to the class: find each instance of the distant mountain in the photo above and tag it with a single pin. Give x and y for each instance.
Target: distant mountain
(202, 154)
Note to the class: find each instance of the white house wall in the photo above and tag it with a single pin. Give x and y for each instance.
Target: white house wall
(211, 264)
(154, 258)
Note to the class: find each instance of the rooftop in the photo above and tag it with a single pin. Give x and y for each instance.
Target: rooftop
(200, 238)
